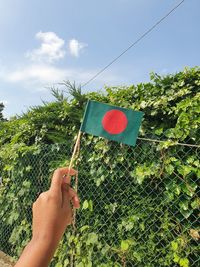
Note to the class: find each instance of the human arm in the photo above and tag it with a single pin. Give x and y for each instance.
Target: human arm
(52, 213)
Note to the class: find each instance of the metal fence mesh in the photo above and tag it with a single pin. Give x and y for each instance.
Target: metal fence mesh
(139, 206)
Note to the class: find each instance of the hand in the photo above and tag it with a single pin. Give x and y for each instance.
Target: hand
(52, 210)
(52, 213)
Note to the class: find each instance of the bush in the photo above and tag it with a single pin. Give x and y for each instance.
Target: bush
(139, 205)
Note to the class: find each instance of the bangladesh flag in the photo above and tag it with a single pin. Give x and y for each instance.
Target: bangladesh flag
(114, 123)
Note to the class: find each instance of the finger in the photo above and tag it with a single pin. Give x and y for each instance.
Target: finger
(76, 202)
(74, 198)
(70, 194)
(65, 196)
(67, 178)
(57, 178)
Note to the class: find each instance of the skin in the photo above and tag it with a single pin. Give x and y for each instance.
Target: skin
(52, 212)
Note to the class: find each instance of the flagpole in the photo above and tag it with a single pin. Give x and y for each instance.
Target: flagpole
(76, 189)
(74, 151)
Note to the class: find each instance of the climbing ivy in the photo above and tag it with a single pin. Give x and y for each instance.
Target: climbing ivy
(140, 206)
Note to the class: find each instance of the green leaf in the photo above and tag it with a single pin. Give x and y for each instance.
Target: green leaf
(184, 205)
(80, 264)
(83, 228)
(138, 256)
(196, 203)
(176, 258)
(125, 244)
(105, 249)
(90, 205)
(92, 238)
(177, 190)
(85, 205)
(186, 213)
(169, 168)
(185, 170)
(188, 189)
(159, 131)
(142, 226)
(66, 262)
(184, 262)
(174, 245)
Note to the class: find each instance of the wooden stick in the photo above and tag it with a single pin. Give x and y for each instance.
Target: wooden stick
(76, 148)
(74, 152)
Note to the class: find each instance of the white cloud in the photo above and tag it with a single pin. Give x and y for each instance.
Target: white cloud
(41, 72)
(37, 72)
(75, 47)
(37, 76)
(51, 48)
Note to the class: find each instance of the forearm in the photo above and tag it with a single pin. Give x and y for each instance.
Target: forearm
(37, 254)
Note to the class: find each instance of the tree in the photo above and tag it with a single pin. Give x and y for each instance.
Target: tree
(1, 109)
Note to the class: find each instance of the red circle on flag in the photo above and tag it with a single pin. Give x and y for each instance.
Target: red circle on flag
(114, 121)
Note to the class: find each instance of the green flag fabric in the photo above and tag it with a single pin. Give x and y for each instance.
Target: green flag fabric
(112, 122)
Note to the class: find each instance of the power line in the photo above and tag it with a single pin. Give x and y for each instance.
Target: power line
(133, 44)
(162, 141)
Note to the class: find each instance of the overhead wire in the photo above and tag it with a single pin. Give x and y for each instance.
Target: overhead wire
(133, 44)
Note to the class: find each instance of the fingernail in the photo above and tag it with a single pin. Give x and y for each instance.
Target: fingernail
(76, 199)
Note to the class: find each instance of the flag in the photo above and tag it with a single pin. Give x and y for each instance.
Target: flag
(112, 122)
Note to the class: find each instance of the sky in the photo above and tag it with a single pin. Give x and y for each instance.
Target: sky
(46, 42)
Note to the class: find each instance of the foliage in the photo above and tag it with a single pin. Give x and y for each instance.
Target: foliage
(139, 205)
(1, 110)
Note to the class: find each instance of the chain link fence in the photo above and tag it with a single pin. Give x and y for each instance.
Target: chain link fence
(139, 206)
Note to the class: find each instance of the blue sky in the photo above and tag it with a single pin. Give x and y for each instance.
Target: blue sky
(46, 42)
